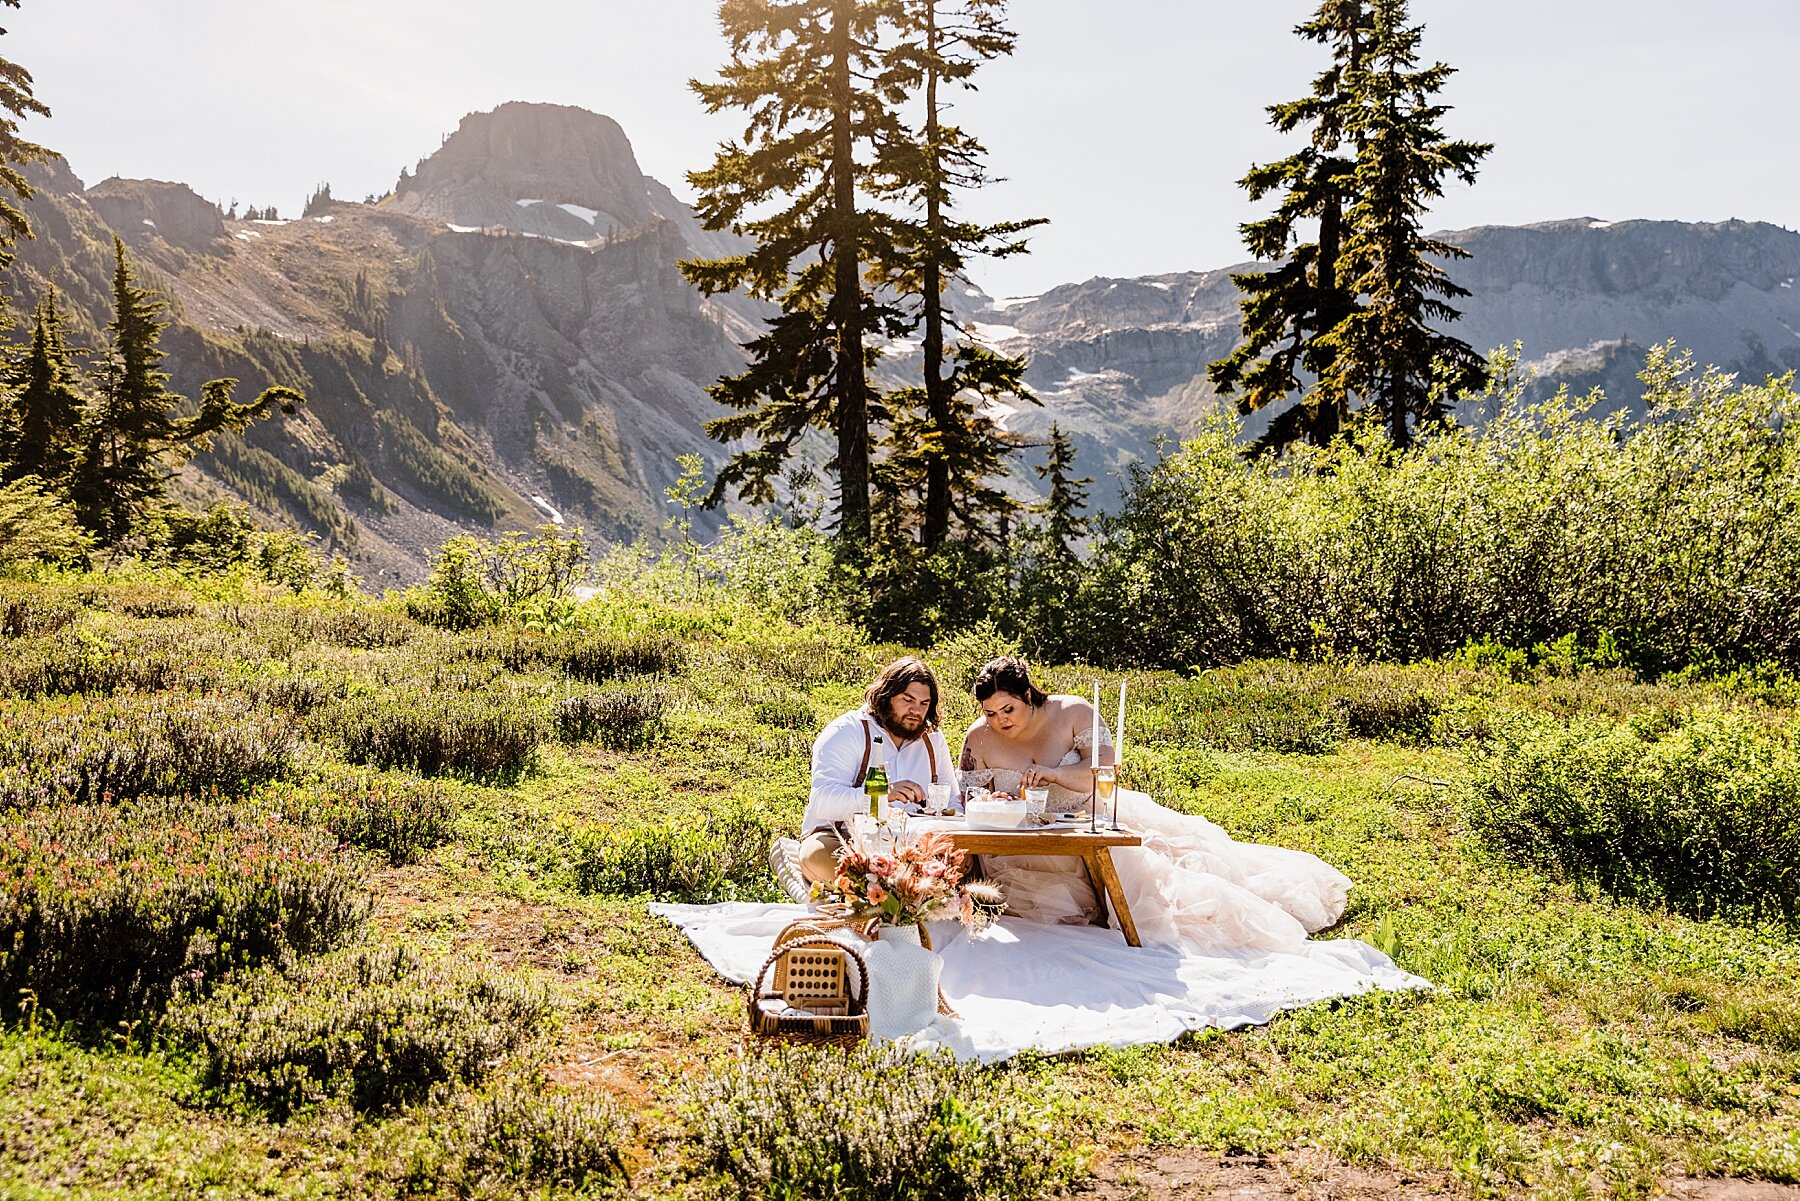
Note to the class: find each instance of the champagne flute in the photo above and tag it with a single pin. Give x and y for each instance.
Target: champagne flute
(1106, 780)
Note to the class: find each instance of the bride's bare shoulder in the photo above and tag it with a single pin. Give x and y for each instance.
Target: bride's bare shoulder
(1072, 707)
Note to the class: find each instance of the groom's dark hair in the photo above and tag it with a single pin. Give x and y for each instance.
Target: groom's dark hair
(1011, 676)
(896, 678)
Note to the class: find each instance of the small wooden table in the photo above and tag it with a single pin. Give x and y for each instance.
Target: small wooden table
(1095, 850)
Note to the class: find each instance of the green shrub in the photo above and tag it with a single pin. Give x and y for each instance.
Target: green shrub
(876, 1122)
(393, 814)
(489, 1141)
(36, 525)
(87, 662)
(1699, 813)
(958, 659)
(1245, 718)
(103, 909)
(379, 1028)
(784, 711)
(597, 658)
(33, 615)
(300, 691)
(619, 719)
(484, 737)
(724, 857)
(132, 746)
(1668, 540)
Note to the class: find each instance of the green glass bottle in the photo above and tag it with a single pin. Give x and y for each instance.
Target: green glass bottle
(876, 782)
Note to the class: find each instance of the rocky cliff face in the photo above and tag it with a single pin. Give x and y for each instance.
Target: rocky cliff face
(506, 339)
(473, 363)
(1121, 361)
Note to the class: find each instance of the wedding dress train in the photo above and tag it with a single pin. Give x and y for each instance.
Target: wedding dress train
(1190, 885)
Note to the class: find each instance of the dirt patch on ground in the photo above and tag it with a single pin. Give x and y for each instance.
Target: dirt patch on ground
(1692, 1189)
(1166, 1175)
(1161, 1175)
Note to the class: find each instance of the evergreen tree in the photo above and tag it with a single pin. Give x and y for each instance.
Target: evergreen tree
(1343, 320)
(805, 71)
(950, 451)
(1387, 351)
(135, 437)
(47, 402)
(1287, 308)
(15, 152)
(1063, 506)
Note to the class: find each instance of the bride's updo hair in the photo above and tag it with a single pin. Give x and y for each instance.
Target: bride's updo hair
(1011, 676)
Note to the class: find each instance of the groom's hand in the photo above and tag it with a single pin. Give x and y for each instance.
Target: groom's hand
(906, 793)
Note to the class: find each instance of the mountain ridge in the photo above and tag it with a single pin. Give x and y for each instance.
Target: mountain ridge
(506, 339)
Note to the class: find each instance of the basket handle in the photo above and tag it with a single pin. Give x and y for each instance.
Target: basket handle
(814, 940)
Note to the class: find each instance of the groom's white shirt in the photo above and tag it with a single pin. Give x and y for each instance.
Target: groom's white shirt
(837, 791)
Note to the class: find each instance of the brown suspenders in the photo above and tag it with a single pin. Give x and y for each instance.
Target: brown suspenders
(862, 770)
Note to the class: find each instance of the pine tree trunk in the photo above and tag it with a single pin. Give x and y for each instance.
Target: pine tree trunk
(850, 387)
(937, 388)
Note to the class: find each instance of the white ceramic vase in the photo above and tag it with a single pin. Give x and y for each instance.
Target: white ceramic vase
(903, 983)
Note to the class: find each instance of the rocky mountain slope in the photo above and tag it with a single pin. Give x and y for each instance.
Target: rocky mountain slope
(1123, 361)
(505, 338)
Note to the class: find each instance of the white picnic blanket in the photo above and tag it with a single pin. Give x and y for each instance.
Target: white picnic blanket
(1022, 985)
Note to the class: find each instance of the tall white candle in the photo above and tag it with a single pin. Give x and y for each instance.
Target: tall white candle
(1119, 733)
(1094, 742)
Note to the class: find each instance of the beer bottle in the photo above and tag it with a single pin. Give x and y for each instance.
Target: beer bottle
(876, 782)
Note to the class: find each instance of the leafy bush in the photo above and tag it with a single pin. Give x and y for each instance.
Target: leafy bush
(1699, 813)
(377, 1027)
(396, 815)
(1548, 523)
(484, 737)
(88, 662)
(104, 909)
(619, 719)
(33, 615)
(132, 746)
(784, 710)
(474, 583)
(1238, 717)
(592, 657)
(877, 1122)
(957, 660)
(37, 525)
(519, 1136)
(726, 856)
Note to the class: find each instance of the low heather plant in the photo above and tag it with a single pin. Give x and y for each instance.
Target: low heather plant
(1699, 813)
(487, 1142)
(132, 746)
(877, 1122)
(33, 615)
(380, 1028)
(618, 718)
(724, 857)
(104, 909)
(484, 737)
(394, 814)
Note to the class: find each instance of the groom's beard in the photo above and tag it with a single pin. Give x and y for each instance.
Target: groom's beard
(903, 727)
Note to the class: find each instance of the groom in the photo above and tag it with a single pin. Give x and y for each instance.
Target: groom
(901, 706)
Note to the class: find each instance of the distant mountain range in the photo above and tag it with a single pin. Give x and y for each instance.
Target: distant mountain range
(505, 338)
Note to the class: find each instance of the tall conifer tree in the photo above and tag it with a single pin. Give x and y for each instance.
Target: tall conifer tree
(1287, 308)
(1387, 351)
(47, 402)
(18, 103)
(1067, 499)
(806, 72)
(942, 445)
(1344, 320)
(135, 437)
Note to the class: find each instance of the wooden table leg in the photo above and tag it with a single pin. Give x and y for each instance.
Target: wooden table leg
(1100, 865)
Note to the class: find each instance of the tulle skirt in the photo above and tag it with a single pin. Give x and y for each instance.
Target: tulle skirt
(1190, 885)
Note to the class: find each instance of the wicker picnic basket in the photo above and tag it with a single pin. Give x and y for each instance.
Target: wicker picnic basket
(811, 998)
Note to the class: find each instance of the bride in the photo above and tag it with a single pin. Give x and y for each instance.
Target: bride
(1190, 884)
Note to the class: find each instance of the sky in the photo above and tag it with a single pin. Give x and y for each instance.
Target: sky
(1126, 122)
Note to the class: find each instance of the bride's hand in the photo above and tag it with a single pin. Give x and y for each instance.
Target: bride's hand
(1036, 776)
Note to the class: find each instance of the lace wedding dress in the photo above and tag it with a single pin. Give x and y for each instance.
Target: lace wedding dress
(1189, 885)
